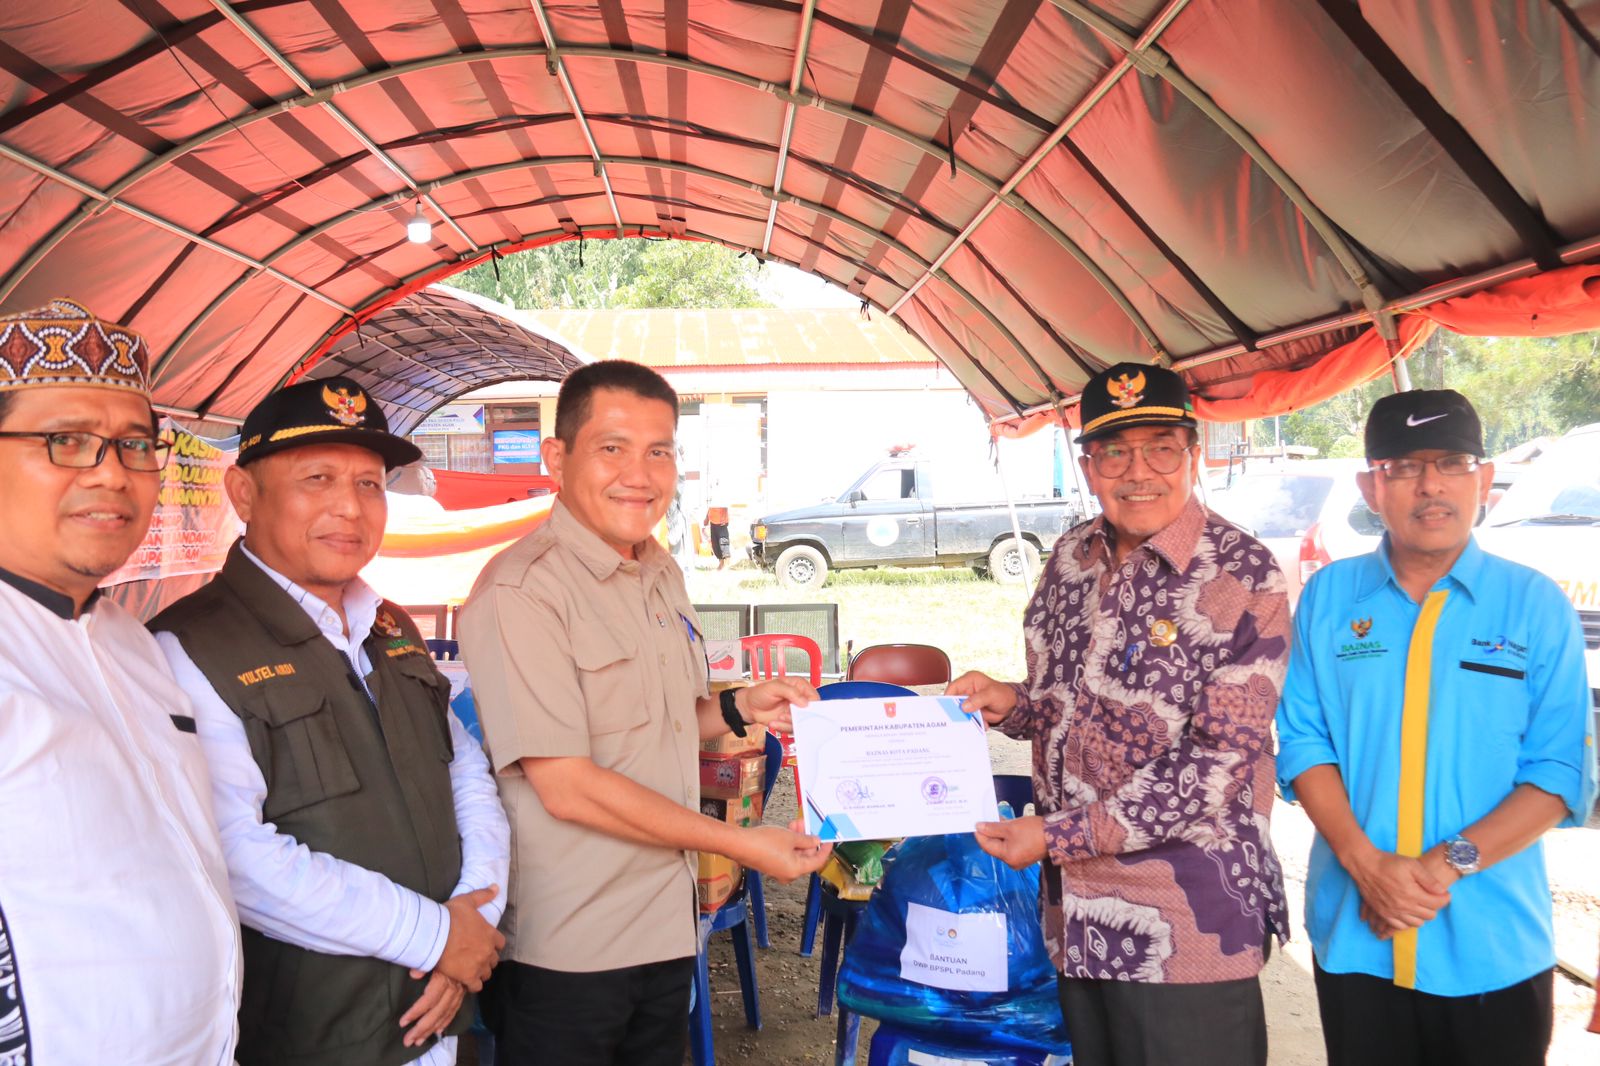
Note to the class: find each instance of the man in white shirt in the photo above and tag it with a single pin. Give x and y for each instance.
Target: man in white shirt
(365, 840)
(118, 939)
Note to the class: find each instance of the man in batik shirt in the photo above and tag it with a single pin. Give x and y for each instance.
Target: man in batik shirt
(1157, 642)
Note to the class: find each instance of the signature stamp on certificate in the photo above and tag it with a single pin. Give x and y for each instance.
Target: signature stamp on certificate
(875, 769)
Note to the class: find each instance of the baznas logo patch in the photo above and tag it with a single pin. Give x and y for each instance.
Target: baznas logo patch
(347, 409)
(1127, 390)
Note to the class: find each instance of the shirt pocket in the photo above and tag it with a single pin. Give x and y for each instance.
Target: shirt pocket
(608, 675)
(1496, 696)
(294, 737)
(428, 699)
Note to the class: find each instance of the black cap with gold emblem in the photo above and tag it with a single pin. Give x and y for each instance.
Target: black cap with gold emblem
(324, 411)
(1133, 394)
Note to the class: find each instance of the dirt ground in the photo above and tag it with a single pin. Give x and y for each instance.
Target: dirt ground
(791, 1034)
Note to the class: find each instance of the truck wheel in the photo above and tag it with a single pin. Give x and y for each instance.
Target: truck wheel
(802, 567)
(1005, 562)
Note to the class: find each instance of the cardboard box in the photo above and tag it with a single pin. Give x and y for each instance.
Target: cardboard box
(731, 776)
(715, 880)
(744, 811)
(755, 739)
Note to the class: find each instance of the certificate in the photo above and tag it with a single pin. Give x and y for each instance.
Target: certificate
(906, 766)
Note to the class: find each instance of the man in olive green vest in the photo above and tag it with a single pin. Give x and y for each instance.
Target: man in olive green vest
(364, 835)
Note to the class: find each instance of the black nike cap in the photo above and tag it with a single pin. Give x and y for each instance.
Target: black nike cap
(1423, 420)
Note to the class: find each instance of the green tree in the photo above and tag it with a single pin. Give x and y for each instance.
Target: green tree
(1523, 387)
(607, 274)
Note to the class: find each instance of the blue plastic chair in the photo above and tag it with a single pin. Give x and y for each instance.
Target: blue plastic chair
(446, 650)
(1015, 789)
(736, 917)
(839, 690)
(838, 916)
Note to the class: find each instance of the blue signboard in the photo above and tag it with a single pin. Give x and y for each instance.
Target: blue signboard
(516, 446)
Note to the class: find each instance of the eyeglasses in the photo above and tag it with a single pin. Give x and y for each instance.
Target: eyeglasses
(1458, 465)
(80, 450)
(1163, 457)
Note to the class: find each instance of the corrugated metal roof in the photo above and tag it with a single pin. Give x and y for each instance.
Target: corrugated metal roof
(735, 338)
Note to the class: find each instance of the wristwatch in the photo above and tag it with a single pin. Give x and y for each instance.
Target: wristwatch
(735, 720)
(1461, 854)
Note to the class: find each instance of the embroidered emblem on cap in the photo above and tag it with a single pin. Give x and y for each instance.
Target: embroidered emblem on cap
(350, 410)
(1126, 390)
(61, 343)
(1361, 627)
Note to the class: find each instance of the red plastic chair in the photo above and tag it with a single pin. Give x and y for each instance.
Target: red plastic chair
(768, 653)
(900, 664)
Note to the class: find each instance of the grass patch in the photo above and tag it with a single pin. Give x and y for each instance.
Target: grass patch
(977, 622)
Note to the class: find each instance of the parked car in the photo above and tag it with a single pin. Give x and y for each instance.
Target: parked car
(1306, 511)
(1550, 520)
(890, 516)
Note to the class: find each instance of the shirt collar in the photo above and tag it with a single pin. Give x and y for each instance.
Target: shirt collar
(1379, 571)
(360, 604)
(1175, 544)
(601, 558)
(57, 603)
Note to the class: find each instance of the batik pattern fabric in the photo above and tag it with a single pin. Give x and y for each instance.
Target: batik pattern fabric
(13, 1021)
(1149, 701)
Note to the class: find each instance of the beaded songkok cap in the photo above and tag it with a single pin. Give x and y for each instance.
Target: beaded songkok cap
(61, 343)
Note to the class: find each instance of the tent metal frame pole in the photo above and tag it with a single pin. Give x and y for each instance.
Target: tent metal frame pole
(83, 188)
(327, 92)
(796, 73)
(281, 61)
(756, 187)
(1157, 64)
(1571, 255)
(1016, 524)
(1079, 111)
(555, 65)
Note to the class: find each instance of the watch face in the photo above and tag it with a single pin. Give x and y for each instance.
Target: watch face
(1462, 854)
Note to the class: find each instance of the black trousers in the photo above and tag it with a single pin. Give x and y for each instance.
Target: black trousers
(1128, 1023)
(636, 1016)
(721, 546)
(1370, 1021)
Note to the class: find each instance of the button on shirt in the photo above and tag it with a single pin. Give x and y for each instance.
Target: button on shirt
(118, 939)
(576, 651)
(1507, 704)
(315, 900)
(1149, 701)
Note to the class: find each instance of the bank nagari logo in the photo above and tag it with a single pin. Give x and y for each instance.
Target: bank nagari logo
(1361, 627)
(1500, 645)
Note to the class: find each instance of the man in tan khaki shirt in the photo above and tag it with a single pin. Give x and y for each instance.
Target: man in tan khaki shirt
(590, 678)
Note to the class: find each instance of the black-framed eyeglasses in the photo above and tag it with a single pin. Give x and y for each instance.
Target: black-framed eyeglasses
(81, 450)
(1458, 465)
(1162, 457)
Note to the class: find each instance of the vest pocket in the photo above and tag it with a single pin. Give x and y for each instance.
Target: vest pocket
(433, 735)
(295, 740)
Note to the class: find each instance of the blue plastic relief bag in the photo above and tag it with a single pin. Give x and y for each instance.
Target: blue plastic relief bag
(951, 941)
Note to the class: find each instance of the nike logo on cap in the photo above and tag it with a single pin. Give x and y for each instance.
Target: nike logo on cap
(1413, 420)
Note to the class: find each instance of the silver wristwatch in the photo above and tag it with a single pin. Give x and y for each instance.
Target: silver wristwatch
(1461, 854)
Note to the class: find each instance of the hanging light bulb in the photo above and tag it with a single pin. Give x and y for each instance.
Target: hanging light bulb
(418, 229)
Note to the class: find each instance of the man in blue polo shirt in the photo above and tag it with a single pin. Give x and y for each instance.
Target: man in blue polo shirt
(1434, 725)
